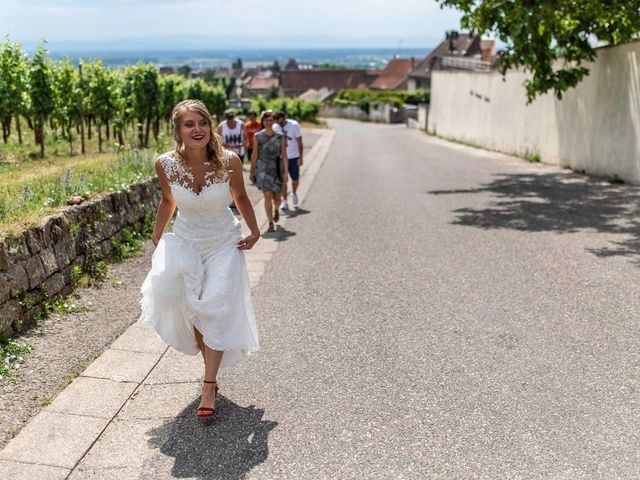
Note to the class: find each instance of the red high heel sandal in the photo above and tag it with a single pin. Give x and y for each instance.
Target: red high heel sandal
(207, 411)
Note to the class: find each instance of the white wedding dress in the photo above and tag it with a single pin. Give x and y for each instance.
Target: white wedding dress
(198, 276)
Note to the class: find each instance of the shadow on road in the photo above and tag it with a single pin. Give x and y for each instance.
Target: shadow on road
(280, 235)
(558, 202)
(292, 213)
(225, 447)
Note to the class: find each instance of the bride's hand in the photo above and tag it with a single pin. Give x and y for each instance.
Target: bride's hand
(247, 242)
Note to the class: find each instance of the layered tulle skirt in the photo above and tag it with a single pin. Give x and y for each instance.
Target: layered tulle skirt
(199, 279)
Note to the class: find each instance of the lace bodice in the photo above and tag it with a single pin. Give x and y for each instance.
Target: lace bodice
(203, 208)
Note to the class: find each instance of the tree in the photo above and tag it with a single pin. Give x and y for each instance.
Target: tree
(40, 92)
(184, 70)
(68, 98)
(13, 85)
(552, 39)
(170, 88)
(145, 96)
(274, 92)
(213, 97)
(101, 95)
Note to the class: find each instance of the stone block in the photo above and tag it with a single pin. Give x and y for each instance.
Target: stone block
(4, 257)
(35, 240)
(106, 205)
(17, 248)
(90, 212)
(110, 227)
(5, 290)
(105, 248)
(17, 278)
(35, 272)
(9, 312)
(64, 251)
(49, 261)
(6, 332)
(56, 228)
(54, 284)
(119, 200)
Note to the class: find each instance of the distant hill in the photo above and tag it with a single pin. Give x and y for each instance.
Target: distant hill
(182, 42)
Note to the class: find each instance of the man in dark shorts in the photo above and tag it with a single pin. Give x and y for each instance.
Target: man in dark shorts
(293, 134)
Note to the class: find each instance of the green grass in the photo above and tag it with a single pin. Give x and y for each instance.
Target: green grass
(532, 157)
(12, 353)
(131, 245)
(31, 189)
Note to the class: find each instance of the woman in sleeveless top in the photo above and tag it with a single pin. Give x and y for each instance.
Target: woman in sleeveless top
(269, 166)
(197, 296)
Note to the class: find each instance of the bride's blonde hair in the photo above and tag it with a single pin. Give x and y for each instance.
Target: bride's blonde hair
(215, 152)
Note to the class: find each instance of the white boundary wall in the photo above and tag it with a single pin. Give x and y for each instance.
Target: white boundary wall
(595, 127)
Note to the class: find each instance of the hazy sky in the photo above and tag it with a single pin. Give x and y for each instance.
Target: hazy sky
(29, 20)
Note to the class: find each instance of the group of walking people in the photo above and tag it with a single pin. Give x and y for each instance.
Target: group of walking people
(274, 147)
(197, 295)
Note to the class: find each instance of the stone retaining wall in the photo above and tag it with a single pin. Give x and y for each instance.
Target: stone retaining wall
(37, 264)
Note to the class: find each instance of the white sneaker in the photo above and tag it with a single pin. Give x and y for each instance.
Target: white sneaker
(284, 205)
(294, 199)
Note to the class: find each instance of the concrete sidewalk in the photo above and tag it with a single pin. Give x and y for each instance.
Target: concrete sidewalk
(139, 397)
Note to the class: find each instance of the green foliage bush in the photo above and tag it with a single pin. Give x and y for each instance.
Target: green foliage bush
(365, 98)
(295, 108)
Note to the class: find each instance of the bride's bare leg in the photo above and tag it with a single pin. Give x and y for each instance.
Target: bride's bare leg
(212, 359)
(200, 343)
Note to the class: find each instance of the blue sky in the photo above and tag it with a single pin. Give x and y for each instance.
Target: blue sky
(95, 20)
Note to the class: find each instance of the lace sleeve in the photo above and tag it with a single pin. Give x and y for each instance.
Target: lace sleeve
(168, 165)
(174, 170)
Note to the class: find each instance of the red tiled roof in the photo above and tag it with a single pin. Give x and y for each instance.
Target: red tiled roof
(262, 83)
(465, 45)
(394, 74)
(302, 80)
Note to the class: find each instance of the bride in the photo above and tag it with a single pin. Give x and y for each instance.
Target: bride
(197, 296)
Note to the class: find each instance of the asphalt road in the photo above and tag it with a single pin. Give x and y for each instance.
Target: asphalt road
(435, 311)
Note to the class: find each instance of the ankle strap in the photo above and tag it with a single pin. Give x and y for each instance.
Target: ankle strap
(206, 381)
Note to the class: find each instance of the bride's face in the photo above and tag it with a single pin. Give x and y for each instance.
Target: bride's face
(195, 131)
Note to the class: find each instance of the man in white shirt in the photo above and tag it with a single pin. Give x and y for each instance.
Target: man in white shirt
(293, 133)
(233, 135)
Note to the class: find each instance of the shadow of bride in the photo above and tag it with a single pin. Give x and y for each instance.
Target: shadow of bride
(227, 446)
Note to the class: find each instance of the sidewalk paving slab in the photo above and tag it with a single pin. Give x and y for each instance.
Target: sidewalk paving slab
(139, 339)
(55, 439)
(124, 443)
(175, 367)
(26, 471)
(122, 365)
(93, 397)
(159, 401)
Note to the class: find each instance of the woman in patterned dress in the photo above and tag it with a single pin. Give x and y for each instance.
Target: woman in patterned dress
(269, 166)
